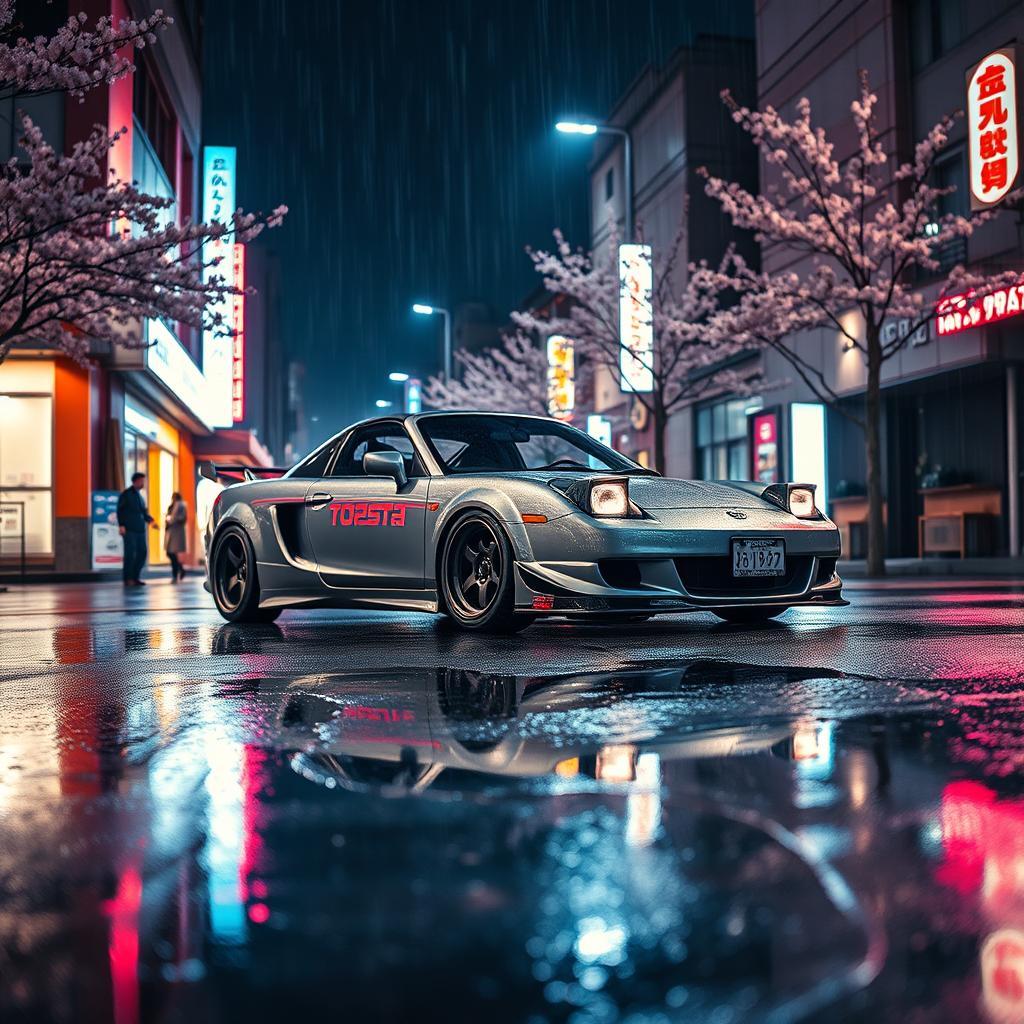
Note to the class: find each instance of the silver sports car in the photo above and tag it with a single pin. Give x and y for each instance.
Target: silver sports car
(496, 520)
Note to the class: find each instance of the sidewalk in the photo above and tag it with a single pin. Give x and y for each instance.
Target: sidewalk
(951, 568)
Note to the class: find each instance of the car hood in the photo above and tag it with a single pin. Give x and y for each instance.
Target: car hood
(649, 492)
(657, 493)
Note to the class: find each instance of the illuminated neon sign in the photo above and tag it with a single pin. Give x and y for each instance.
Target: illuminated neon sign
(561, 377)
(238, 338)
(992, 128)
(600, 428)
(219, 164)
(962, 312)
(636, 318)
(413, 395)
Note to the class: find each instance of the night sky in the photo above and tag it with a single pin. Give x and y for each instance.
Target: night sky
(413, 143)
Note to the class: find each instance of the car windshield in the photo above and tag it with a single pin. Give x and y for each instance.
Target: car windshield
(516, 444)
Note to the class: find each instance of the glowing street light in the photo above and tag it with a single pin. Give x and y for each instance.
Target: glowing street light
(398, 378)
(383, 403)
(576, 128)
(587, 128)
(425, 310)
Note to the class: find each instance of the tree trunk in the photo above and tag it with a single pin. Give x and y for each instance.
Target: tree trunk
(873, 452)
(660, 425)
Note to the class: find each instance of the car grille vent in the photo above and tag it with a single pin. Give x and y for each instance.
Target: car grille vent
(711, 576)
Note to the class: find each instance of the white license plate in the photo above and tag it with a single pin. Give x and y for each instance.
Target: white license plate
(758, 558)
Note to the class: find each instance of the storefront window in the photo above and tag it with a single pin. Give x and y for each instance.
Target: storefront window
(722, 439)
(26, 472)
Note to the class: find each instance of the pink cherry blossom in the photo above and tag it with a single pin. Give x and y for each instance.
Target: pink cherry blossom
(693, 356)
(860, 231)
(512, 378)
(82, 261)
(77, 58)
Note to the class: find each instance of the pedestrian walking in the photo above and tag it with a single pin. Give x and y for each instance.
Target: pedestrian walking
(132, 518)
(174, 534)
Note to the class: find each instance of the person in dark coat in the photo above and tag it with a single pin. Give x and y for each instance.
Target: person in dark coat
(175, 541)
(132, 518)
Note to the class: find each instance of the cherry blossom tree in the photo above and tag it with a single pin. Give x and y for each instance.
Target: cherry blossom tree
(859, 229)
(512, 378)
(81, 258)
(692, 357)
(76, 58)
(66, 277)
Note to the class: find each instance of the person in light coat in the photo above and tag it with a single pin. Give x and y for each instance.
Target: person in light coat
(175, 542)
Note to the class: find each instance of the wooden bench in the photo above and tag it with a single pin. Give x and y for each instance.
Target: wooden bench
(959, 519)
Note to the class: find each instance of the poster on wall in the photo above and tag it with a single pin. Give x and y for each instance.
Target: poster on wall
(107, 544)
(764, 447)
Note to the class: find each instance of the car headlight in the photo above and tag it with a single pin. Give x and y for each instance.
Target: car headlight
(801, 502)
(603, 499)
(609, 498)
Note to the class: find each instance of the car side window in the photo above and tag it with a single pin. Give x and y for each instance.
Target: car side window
(315, 465)
(382, 438)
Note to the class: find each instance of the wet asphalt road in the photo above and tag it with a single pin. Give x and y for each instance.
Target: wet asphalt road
(369, 817)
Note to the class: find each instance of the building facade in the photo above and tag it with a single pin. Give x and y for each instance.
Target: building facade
(951, 401)
(71, 434)
(678, 125)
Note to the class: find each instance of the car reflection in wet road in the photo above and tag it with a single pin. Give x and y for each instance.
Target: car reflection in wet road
(197, 824)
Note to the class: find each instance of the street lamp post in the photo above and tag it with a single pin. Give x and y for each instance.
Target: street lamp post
(587, 128)
(424, 310)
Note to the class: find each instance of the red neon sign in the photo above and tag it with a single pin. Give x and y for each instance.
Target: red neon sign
(962, 312)
(238, 341)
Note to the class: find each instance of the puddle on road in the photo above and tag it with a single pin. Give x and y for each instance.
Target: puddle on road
(689, 841)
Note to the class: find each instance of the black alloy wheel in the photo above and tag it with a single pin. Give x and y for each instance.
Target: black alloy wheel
(234, 581)
(477, 583)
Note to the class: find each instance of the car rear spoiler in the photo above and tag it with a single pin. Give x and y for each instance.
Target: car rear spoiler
(214, 471)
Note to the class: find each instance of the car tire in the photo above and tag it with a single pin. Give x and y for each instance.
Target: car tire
(234, 581)
(477, 577)
(749, 616)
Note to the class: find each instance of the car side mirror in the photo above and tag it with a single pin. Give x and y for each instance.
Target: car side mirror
(385, 464)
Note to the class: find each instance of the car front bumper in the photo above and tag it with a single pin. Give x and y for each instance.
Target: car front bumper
(649, 586)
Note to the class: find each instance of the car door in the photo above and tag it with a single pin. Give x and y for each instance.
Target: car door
(367, 533)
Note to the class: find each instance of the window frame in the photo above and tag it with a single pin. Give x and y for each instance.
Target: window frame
(351, 440)
(721, 446)
(13, 490)
(628, 464)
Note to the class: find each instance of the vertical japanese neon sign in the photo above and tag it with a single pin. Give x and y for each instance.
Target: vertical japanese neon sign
(993, 127)
(219, 166)
(636, 318)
